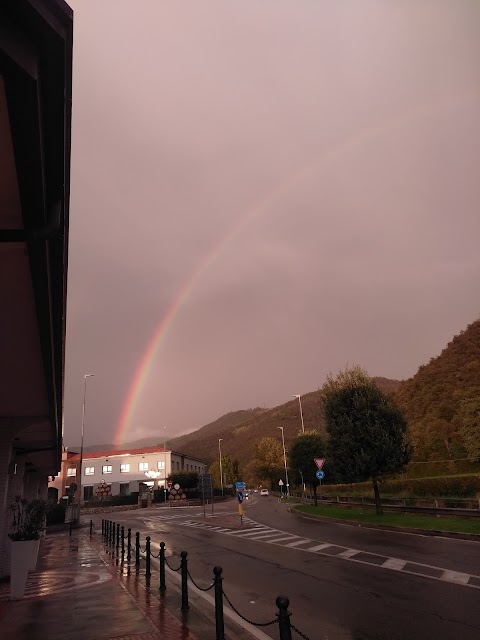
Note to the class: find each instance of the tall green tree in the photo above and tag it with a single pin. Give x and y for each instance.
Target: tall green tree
(268, 459)
(230, 471)
(367, 431)
(304, 449)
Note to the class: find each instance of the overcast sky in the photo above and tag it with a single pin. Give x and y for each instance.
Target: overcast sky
(302, 173)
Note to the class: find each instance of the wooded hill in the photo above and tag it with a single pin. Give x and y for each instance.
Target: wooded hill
(442, 401)
(240, 435)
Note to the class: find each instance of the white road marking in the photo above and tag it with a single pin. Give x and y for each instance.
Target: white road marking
(319, 547)
(348, 553)
(455, 576)
(266, 535)
(289, 537)
(394, 563)
(297, 543)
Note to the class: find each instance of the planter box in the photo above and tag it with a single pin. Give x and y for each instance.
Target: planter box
(20, 561)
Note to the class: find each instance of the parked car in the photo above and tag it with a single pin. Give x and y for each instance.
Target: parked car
(264, 492)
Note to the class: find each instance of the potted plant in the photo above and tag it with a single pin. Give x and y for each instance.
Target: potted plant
(28, 521)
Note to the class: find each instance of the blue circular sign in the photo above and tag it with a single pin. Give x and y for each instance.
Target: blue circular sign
(320, 474)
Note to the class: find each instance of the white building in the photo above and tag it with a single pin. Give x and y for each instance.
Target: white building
(124, 471)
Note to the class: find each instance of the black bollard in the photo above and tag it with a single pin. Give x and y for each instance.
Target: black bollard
(112, 539)
(110, 527)
(118, 536)
(103, 527)
(91, 527)
(137, 550)
(219, 626)
(163, 586)
(122, 533)
(184, 572)
(129, 544)
(148, 573)
(283, 616)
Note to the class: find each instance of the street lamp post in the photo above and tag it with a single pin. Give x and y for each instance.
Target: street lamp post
(221, 472)
(165, 470)
(303, 483)
(87, 375)
(301, 412)
(285, 462)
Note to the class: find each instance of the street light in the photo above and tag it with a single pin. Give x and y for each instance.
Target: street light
(221, 473)
(285, 462)
(165, 470)
(87, 375)
(301, 412)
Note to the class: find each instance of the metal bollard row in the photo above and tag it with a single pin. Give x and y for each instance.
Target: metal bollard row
(113, 535)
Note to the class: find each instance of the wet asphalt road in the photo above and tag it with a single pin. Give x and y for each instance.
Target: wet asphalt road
(330, 596)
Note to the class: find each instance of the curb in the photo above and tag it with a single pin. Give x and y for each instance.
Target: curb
(472, 537)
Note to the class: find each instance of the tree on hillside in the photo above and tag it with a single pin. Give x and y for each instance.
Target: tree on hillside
(469, 415)
(304, 449)
(367, 431)
(268, 459)
(214, 470)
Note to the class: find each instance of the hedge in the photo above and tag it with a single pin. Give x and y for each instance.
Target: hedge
(457, 487)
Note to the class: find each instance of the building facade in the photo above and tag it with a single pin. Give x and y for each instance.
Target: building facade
(124, 471)
(36, 40)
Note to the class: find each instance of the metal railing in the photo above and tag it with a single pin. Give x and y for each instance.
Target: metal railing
(120, 545)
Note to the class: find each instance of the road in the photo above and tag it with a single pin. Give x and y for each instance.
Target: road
(344, 582)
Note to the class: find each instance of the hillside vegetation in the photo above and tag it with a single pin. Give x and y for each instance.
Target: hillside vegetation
(240, 435)
(442, 401)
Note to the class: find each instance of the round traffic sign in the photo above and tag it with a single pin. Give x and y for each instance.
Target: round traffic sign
(176, 486)
(320, 474)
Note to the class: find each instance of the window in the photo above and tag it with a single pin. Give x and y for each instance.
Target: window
(89, 471)
(87, 492)
(161, 464)
(125, 488)
(178, 465)
(72, 471)
(124, 468)
(143, 466)
(107, 468)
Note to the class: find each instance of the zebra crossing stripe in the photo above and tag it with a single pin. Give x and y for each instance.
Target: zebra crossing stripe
(455, 576)
(319, 547)
(394, 563)
(297, 543)
(266, 535)
(348, 553)
(290, 537)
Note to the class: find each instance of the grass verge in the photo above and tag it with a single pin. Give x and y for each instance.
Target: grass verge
(408, 520)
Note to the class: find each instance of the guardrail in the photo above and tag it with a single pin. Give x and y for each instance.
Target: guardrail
(439, 506)
(119, 542)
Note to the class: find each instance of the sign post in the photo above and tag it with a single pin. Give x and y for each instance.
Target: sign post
(240, 487)
(280, 484)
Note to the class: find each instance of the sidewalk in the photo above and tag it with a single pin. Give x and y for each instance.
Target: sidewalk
(78, 594)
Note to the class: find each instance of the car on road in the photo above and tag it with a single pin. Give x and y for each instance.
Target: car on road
(264, 492)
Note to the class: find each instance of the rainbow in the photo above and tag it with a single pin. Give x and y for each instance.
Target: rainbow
(144, 367)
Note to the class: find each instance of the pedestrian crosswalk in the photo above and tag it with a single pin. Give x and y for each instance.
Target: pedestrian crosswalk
(259, 533)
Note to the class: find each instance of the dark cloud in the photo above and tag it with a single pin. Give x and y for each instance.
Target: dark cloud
(310, 167)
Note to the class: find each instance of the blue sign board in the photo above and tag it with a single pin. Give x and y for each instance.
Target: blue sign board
(240, 486)
(320, 474)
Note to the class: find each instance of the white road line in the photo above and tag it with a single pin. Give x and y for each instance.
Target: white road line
(348, 553)
(394, 563)
(266, 535)
(319, 547)
(455, 576)
(245, 534)
(297, 543)
(290, 537)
